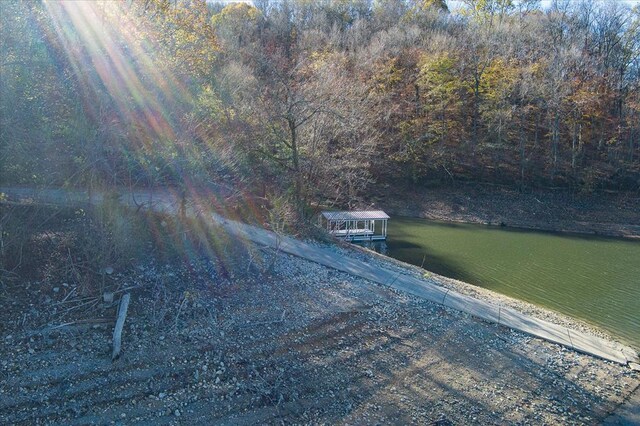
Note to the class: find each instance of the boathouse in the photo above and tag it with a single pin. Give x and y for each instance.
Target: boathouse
(362, 225)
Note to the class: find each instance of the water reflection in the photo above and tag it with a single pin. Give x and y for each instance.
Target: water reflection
(377, 246)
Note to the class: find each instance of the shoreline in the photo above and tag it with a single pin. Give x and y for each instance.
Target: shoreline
(605, 214)
(619, 231)
(483, 294)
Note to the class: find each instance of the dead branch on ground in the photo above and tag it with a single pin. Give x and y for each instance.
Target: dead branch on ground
(117, 332)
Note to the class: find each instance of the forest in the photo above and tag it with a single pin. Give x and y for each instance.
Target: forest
(320, 101)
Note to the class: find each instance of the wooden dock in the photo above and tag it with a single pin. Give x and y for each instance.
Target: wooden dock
(359, 225)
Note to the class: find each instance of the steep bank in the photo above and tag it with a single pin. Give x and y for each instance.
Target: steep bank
(611, 214)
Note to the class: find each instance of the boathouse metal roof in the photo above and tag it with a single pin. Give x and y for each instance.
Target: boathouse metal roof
(356, 215)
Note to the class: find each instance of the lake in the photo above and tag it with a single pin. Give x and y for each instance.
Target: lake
(593, 278)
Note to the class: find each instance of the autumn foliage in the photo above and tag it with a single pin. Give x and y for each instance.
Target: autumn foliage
(318, 100)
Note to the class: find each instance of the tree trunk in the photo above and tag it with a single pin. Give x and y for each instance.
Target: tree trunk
(295, 161)
(476, 111)
(632, 131)
(523, 141)
(574, 144)
(555, 136)
(444, 123)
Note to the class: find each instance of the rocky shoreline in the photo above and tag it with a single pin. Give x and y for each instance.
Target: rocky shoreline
(477, 292)
(606, 214)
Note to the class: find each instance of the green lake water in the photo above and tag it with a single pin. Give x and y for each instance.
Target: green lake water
(588, 277)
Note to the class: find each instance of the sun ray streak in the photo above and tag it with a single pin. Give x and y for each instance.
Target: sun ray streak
(139, 90)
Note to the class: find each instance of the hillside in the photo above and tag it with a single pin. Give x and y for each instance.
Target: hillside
(305, 102)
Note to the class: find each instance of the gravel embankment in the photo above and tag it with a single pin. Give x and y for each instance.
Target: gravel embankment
(285, 340)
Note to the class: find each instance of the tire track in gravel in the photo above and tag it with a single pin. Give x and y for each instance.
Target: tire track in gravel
(88, 385)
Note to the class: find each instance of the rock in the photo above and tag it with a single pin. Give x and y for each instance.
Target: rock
(107, 297)
(176, 413)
